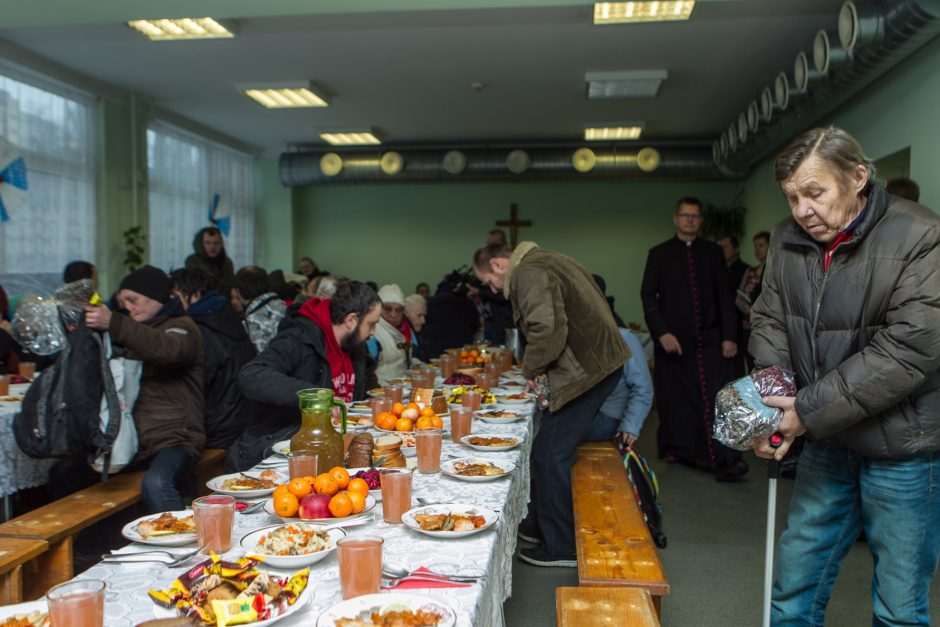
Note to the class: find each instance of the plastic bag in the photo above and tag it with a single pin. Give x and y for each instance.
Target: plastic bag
(72, 298)
(126, 373)
(37, 326)
(740, 416)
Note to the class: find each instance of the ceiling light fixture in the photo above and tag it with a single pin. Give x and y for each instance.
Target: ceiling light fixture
(167, 29)
(613, 132)
(284, 94)
(352, 137)
(628, 84)
(644, 11)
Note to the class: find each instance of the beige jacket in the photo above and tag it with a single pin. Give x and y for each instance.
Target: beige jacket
(394, 361)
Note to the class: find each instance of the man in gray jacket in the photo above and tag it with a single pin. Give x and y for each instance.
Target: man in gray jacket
(851, 304)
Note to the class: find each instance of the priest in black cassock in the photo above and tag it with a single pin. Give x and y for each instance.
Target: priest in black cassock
(690, 312)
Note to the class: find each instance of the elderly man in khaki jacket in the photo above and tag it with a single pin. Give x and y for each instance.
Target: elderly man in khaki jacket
(574, 355)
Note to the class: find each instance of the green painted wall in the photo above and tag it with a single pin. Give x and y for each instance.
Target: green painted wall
(899, 110)
(406, 233)
(274, 222)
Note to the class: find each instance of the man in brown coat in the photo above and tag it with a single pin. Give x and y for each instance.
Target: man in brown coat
(574, 355)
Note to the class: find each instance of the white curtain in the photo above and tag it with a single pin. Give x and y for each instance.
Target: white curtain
(185, 171)
(53, 127)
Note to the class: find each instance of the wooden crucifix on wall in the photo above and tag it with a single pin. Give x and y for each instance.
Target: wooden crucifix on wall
(514, 223)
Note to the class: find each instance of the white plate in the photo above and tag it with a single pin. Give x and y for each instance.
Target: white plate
(448, 468)
(170, 612)
(377, 493)
(482, 415)
(281, 448)
(466, 440)
(289, 562)
(352, 608)
(177, 539)
(215, 484)
(409, 520)
(9, 611)
(505, 400)
(269, 508)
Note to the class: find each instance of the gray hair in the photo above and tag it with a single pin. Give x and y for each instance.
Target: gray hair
(327, 287)
(414, 301)
(831, 144)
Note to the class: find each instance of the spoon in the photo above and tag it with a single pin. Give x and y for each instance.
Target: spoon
(396, 572)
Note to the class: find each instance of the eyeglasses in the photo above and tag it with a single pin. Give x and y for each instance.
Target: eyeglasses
(689, 216)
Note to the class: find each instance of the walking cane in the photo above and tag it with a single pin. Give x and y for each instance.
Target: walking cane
(773, 473)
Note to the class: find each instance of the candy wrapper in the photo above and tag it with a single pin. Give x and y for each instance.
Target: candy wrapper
(37, 326)
(740, 416)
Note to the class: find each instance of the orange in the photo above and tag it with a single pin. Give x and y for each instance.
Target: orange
(325, 484)
(299, 487)
(427, 411)
(310, 480)
(414, 406)
(358, 486)
(286, 505)
(340, 476)
(424, 423)
(436, 422)
(358, 501)
(341, 505)
(386, 421)
(279, 490)
(397, 408)
(403, 424)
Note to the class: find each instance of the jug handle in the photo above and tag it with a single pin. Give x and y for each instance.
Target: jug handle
(342, 409)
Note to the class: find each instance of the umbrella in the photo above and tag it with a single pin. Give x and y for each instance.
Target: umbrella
(12, 180)
(224, 224)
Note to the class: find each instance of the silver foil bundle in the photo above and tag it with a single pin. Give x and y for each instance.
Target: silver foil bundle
(741, 418)
(37, 326)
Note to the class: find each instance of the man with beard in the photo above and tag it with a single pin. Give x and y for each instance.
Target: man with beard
(320, 345)
(209, 256)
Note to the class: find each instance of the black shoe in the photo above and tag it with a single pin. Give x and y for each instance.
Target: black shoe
(539, 556)
(733, 471)
(529, 531)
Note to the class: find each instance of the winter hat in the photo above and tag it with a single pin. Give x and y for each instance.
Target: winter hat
(392, 294)
(148, 281)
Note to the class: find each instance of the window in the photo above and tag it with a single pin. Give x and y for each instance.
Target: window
(185, 172)
(53, 129)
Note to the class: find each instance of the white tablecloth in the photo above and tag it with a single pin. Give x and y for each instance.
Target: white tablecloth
(488, 552)
(17, 471)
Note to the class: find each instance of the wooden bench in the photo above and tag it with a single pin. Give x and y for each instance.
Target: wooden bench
(597, 607)
(614, 545)
(14, 553)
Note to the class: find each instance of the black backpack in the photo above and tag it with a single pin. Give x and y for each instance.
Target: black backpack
(59, 417)
(646, 490)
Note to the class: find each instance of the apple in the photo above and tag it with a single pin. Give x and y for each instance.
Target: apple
(411, 414)
(314, 506)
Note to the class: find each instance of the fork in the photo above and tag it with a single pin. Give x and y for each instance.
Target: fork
(180, 559)
(391, 582)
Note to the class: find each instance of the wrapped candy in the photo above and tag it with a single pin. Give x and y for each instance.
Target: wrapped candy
(740, 416)
(37, 326)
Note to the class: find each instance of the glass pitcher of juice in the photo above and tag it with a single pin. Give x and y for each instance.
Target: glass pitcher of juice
(316, 432)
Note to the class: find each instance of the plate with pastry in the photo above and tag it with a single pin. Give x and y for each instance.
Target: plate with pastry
(247, 485)
(470, 469)
(491, 441)
(165, 529)
(449, 520)
(499, 416)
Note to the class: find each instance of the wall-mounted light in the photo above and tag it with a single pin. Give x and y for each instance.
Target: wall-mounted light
(803, 74)
(723, 144)
(753, 116)
(826, 55)
(455, 161)
(732, 134)
(648, 159)
(583, 160)
(742, 128)
(517, 161)
(860, 26)
(768, 104)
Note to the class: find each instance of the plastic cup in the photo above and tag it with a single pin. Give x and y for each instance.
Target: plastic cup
(77, 603)
(472, 399)
(448, 366)
(360, 565)
(379, 406)
(214, 516)
(493, 370)
(4, 385)
(483, 382)
(394, 393)
(428, 444)
(27, 370)
(303, 464)
(461, 422)
(396, 494)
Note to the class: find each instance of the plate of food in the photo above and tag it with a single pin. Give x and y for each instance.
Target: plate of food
(499, 416)
(233, 593)
(359, 407)
(470, 469)
(491, 441)
(281, 448)
(391, 608)
(166, 529)
(11, 398)
(293, 545)
(449, 520)
(456, 395)
(29, 614)
(371, 477)
(355, 422)
(517, 398)
(247, 485)
(376, 392)
(316, 508)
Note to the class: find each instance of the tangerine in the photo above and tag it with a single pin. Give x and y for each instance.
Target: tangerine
(358, 485)
(397, 409)
(358, 501)
(286, 505)
(436, 422)
(424, 423)
(404, 424)
(310, 480)
(279, 490)
(340, 476)
(299, 487)
(413, 405)
(427, 411)
(386, 421)
(325, 484)
(341, 505)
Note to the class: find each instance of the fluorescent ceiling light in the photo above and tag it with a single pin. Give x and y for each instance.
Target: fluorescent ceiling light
(629, 84)
(284, 95)
(613, 132)
(646, 11)
(358, 137)
(181, 28)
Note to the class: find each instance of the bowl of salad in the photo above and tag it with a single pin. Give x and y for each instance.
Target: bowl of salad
(293, 545)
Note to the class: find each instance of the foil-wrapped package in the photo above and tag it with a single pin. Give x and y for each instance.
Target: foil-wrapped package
(37, 326)
(741, 418)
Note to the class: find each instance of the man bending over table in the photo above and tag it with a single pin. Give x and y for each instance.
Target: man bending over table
(574, 356)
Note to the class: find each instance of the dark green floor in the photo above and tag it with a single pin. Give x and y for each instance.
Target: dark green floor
(715, 557)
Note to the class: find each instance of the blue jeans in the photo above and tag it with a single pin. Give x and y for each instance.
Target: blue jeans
(159, 487)
(603, 427)
(838, 494)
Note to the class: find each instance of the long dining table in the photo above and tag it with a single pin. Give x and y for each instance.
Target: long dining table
(17, 470)
(488, 553)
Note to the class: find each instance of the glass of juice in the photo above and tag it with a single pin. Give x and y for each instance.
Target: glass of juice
(360, 565)
(28, 370)
(394, 393)
(77, 603)
(215, 516)
(483, 382)
(461, 422)
(493, 371)
(396, 494)
(303, 464)
(4, 385)
(379, 406)
(472, 399)
(428, 444)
